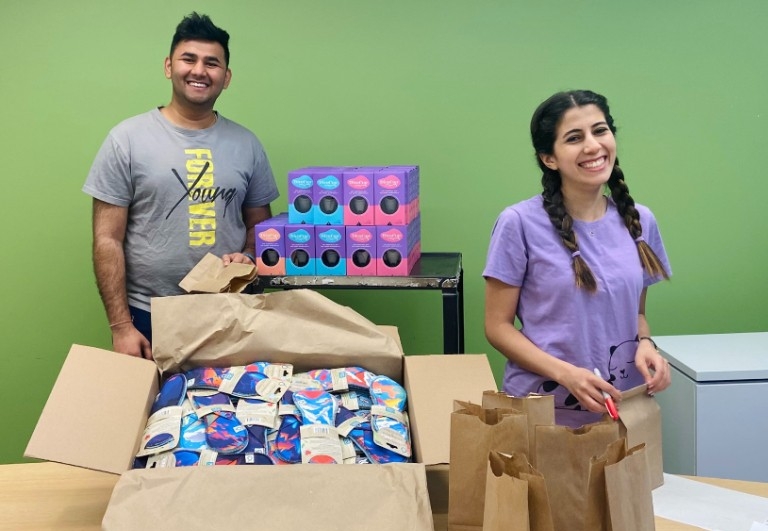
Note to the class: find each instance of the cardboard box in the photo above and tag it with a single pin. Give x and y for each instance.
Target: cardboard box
(97, 410)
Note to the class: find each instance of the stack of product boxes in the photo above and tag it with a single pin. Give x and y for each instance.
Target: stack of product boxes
(344, 221)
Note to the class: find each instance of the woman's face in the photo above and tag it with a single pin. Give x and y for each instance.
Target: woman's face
(585, 149)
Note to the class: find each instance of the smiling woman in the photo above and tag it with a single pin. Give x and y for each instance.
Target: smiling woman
(573, 266)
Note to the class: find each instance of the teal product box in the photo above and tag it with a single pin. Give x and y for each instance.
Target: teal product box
(328, 195)
(361, 251)
(300, 196)
(299, 249)
(270, 245)
(330, 250)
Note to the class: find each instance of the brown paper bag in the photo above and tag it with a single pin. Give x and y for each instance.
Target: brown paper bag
(210, 275)
(540, 410)
(597, 516)
(641, 424)
(300, 326)
(474, 433)
(515, 496)
(563, 457)
(506, 497)
(628, 489)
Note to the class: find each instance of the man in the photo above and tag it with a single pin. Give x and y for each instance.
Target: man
(172, 185)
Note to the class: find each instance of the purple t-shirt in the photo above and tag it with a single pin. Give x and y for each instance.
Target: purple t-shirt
(590, 330)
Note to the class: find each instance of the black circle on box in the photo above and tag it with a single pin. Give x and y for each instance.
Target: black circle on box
(328, 205)
(302, 204)
(330, 258)
(270, 257)
(389, 204)
(392, 258)
(300, 257)
(358, 205)
(361, 258)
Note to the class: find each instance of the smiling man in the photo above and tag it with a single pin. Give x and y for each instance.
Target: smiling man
(172, 185)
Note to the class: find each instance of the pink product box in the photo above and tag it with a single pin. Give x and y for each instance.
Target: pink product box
(330, 250)
(358, 195)
(361, 250)
(300, 200)
(398, 247)
(299, 249)
(270, 245)
(328, 196)
(396, 195)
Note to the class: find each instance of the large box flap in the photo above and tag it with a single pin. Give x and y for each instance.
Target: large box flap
(433, 383)
(96, 408)
(285, 498)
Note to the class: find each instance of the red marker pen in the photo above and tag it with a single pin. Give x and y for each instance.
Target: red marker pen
(609, 404)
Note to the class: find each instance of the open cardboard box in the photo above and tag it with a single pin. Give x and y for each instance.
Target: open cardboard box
(99, 405)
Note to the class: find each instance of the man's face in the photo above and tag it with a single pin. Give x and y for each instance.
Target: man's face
(198, 72)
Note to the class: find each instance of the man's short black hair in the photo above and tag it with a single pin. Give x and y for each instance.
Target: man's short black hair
(195, 27)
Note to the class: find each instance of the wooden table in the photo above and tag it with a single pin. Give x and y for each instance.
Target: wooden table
(51, 496)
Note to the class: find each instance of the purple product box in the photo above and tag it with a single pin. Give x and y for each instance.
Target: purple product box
(301, 207)
(358, 195)
(270, 245)
(299, 249)
(330, 250)
(361, 250)
(328, 196)
(398, 247)
(396, 194)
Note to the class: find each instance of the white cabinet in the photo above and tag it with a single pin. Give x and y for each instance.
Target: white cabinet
(715, 414)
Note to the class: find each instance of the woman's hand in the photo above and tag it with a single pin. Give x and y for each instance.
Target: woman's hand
(588, 389)
(654, 368)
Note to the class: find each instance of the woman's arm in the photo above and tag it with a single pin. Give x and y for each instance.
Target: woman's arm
(500, 311)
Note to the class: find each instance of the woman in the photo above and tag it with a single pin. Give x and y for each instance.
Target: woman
(573, 266)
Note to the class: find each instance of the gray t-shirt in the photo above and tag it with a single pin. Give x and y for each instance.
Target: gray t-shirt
(185, 190)
(589, 330)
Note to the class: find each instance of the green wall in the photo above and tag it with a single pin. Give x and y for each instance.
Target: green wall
(446, 84)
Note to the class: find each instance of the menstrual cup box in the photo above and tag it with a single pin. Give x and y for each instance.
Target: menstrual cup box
(330, 250)
(101, 382)
(328, 196)
(299, 249)
(270, 245)
(359, 194)
(300, 201)
(361, 251)
(398, 248)
(396, 192)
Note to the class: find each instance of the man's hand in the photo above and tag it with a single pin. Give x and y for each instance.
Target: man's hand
(126, 339)
(236, 258)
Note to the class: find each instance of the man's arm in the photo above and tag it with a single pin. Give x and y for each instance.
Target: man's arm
(252, 216)
(109, 224)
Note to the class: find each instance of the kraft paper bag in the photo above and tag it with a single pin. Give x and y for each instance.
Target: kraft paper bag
(281, 498)
(515, 496)
(210, 275)
(563, 457)
(300, 326)
(506, 498)
(540, 410)
(598, 517)
(474, 433)
(640, 423)
(629, 493)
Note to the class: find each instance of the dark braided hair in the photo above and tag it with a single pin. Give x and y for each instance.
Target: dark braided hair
(544, 125)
